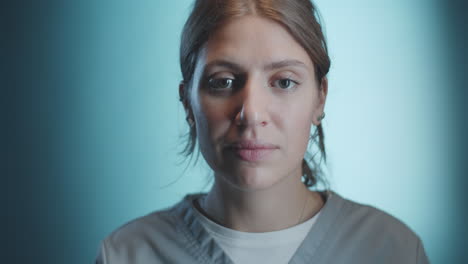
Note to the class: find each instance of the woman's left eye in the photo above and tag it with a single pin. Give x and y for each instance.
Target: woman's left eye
(285, 83)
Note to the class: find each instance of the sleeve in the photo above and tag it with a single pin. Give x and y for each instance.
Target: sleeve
(421, 257)
(101, 257)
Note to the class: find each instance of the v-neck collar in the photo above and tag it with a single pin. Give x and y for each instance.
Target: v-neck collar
(200, 244)
(204, 248)
(329, 215)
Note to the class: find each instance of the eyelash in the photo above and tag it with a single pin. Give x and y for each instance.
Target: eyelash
(290, 81)
(212, 82)
(215, 83)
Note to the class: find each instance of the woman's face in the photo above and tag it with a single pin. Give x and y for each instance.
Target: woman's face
(254, 98)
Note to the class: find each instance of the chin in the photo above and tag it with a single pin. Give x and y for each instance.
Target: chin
(252, 179)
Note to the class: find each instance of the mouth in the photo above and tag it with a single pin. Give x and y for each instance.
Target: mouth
(252, 151)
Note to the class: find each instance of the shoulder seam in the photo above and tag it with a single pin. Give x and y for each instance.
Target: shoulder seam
(191, 242)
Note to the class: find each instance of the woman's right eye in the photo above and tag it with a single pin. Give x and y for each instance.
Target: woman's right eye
(220, 83)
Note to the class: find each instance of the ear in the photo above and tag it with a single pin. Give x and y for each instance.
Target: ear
(183, 97)
(323, 91)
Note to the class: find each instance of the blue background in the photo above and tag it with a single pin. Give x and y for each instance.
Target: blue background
(96, 126)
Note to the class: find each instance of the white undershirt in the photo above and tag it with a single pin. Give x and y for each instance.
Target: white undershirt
(269, 247)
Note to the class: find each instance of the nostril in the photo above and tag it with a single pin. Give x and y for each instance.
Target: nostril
(246, 117)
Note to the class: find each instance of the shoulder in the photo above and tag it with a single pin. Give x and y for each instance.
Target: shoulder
(369, 232)
(369, 219)
(368, 216)
(156, 224)
(150, 238)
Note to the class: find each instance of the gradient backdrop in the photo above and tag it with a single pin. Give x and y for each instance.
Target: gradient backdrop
(97, 124)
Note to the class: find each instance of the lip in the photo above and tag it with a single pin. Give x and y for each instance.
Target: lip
(252, 151)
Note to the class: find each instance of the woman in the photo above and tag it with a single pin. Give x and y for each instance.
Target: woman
(254, 84)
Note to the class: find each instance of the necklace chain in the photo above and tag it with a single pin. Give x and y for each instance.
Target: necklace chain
(203, 205)
(303, 208)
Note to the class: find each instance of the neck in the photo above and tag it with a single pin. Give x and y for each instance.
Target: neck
(283, 205)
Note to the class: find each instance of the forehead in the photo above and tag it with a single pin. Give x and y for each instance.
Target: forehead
(253, 40)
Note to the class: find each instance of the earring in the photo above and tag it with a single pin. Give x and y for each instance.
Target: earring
(321, 117)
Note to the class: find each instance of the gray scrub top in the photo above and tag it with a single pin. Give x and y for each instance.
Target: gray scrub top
(345, 232)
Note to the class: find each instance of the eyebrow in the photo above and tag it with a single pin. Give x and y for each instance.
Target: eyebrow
(285, 63)
(223, 63)
(270, 66)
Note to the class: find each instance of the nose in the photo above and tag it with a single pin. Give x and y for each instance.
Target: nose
(254, 105)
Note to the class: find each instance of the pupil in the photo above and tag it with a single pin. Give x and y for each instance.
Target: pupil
(224, 83)
(284, 83)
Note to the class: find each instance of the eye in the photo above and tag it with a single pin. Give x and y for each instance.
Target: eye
(285, 83)
(220, 83)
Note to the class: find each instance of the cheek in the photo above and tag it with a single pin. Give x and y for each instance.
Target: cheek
(211, 119)
(299, 129)
(297, 123)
